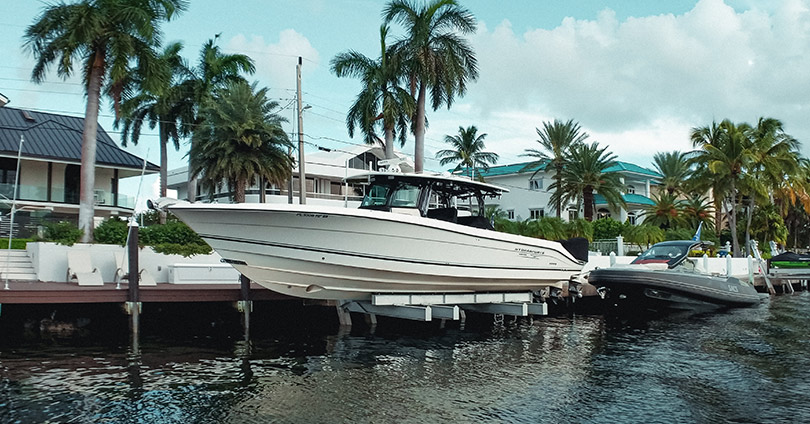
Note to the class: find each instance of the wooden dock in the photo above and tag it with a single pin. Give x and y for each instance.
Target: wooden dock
(39, 292)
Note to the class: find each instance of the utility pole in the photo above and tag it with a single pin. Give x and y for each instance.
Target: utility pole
(302, 181)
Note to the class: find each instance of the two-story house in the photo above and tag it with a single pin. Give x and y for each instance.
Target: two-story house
(50, 170)
(529, 196)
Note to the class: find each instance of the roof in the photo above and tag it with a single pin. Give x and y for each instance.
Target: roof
(494, 171)
(52, 136)
(630, 199)
(630, 167)
(518, 168)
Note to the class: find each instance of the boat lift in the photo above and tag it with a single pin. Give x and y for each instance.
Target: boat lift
(447, 306)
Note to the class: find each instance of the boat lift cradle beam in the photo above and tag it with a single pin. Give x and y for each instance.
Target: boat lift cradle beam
(449, 306)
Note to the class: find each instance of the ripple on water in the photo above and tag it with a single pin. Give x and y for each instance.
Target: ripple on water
(746, 365)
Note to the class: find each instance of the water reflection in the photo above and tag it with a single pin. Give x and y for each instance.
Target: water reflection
(689, 368)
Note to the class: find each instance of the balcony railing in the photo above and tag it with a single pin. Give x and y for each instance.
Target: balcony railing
(58, 195)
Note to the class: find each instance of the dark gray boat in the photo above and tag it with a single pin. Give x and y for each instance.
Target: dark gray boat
(664, 278)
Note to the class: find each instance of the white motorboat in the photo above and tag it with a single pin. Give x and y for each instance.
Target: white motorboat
(408, 236)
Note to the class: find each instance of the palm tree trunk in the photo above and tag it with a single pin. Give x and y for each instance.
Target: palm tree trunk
(749, 213)
(88, 172)
(419, 130)
(735, 242)
(191, 187)
(239, 192)
(587, 198)
(389, 143)
(558, 178)
(164, 161)
(164, 168)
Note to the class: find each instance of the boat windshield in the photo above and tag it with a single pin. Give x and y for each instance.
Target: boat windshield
(670, 254)
(399, 195)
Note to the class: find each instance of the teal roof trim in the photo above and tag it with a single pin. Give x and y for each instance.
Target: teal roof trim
(630, 199)
(631, 167)
(494, 171)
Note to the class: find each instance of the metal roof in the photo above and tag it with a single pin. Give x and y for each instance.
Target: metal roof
(494, 171)
(518, 168)
(59, 137)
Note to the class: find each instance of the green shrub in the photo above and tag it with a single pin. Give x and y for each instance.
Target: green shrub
(111, 231)
(182, 249)
(174, 237)
(62, 232)
(607, 228)
(18, 244)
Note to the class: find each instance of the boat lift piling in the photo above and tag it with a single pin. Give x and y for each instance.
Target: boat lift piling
(245, 306)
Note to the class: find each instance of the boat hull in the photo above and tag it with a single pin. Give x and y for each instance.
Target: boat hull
(639, 289)
(335, 253)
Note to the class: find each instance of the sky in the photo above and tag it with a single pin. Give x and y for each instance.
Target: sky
(636, 75)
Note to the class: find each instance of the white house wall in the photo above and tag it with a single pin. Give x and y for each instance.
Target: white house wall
(520, 198)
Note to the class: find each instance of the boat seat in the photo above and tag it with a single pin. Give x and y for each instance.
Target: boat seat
(443, 214)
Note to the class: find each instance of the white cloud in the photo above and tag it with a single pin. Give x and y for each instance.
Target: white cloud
(275, 62)
(641, 83)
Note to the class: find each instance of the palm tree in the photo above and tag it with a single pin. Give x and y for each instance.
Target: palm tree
(381, 99)
(435, 56)
(556, 138)
(467, 150)
(674, 170)
(241, 138)
(166, 107)
(775, 163)
(214, 70)
(584, 174)
(724, 155)
(105, 36)
(697, 210)
(666, 211)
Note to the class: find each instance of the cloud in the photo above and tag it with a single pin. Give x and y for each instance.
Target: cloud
(636, 77)
(276, 62)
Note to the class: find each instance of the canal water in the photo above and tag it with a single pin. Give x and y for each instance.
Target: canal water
(744, 365)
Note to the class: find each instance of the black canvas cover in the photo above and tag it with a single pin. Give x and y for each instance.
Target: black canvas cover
(791, 257)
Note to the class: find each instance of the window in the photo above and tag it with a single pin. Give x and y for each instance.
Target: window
(536, 184)
(602, 213)
(573, 214)
(631, 218)
(510, 214)
(536, 213)
(631, 190)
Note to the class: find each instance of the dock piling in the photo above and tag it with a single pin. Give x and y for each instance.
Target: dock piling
(133, 306)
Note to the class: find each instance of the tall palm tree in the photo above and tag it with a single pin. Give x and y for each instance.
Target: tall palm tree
(468, 150)
(585, 173)
(381, 99)
(166, 107)
(724, 155)
(556, 138)
(775, 161)
(435, 56)
(240, 138)
(674, 169)
(105, 37)
(214, 70)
